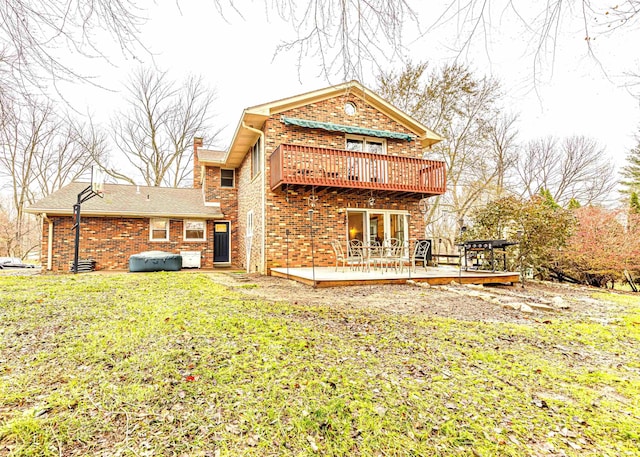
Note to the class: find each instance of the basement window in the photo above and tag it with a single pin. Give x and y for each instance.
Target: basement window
(159, 230)
(194, 230)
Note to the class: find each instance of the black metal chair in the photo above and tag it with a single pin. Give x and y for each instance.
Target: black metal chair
(420, 253)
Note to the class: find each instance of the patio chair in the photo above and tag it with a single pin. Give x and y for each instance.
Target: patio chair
(342, 258)
(420, 251)
(376, 255)
(339, 253)
(393, 252)
(357, 254)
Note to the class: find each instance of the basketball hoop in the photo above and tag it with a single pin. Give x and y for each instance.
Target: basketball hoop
(96, 187)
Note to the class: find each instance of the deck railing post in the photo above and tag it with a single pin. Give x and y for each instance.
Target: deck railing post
(313, 254)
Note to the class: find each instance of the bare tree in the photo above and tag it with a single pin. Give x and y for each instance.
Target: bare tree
(479, 141)
(8, 242)
(38, 154)
(25, 130)
(155, 133)
(503, 137)
(341, 34)
(542, 22)
(33, 31)
(344, 34)
(573, 168)
(71, 152)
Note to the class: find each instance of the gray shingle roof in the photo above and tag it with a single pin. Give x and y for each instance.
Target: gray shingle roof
(132, 201)
(210, 155)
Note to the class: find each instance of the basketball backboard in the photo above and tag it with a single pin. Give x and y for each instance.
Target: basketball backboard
(97, 181)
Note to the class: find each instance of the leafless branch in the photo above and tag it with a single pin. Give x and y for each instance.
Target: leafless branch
(545, 22)
(574, 168)
(36, 35)
(154, 134)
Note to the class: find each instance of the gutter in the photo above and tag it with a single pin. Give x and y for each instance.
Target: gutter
(264, 194)
(135, 215)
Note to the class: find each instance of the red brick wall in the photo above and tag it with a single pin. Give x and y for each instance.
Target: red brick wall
(111, 241)
(250, 198)
(332, 110)
(329, 222)
(289, 210)
(228, 199)
(197, 172)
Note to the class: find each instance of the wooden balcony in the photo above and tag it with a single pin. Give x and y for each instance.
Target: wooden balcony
(314, 166)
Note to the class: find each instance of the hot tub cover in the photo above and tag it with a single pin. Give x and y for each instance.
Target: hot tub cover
(155, 261)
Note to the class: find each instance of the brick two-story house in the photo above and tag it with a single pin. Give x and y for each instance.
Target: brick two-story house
(337, 163)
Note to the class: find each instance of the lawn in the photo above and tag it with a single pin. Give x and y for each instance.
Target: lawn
(179, 365)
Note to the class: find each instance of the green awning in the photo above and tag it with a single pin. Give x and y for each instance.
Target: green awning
(346, 128)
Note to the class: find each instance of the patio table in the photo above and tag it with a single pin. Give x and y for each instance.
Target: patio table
(378, 256)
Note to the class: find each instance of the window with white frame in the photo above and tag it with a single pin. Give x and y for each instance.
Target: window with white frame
(366, 144)
(256, 158)
(250, 223)
(227, 178)
(195, 230)
(159, 229)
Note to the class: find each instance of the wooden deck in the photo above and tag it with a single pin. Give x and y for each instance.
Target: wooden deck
(329, 277)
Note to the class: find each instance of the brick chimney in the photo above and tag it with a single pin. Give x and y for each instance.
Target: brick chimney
(197, 171)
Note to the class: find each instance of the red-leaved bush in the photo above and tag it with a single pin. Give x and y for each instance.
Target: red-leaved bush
(603, 244)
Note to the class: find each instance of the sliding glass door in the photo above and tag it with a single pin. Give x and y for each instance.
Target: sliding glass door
(361, 169)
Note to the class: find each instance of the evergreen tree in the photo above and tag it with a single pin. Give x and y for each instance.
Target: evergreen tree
(634, 203)
(548, 199)
(631, 172)
(574, 204)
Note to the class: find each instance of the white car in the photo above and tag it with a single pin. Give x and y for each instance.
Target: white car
(14, 262)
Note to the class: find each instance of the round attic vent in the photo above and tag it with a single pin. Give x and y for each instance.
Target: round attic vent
(350, 108)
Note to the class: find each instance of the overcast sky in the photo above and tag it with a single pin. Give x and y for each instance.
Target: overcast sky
(568, 94)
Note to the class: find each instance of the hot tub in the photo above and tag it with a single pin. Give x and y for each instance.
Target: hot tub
(155, 261)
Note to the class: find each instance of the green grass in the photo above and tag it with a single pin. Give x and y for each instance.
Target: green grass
(175, 364)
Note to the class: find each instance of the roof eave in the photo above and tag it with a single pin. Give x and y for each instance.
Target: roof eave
(89, 213)
(244, 138)
(428, 141)
(215, 163)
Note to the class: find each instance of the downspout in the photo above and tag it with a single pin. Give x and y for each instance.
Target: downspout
(49, 241)
(264, 194)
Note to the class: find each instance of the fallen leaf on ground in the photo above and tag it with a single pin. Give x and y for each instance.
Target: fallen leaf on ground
(312, 443)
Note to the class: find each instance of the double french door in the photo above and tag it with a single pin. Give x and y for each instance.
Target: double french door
(371, 226)
(367, 169)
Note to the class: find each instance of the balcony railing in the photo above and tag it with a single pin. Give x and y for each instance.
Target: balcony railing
(314, 166)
